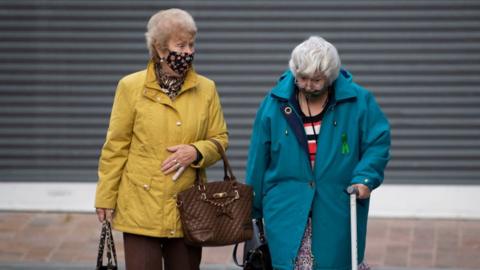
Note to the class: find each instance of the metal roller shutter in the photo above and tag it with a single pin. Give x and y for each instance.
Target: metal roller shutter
(60, 61)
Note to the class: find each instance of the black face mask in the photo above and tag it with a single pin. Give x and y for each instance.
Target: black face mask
(313, 94)
(179, 62)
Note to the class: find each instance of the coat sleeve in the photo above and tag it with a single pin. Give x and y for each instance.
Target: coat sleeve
(217, 130)
(374, 146)
(115, 149)
(258, 159)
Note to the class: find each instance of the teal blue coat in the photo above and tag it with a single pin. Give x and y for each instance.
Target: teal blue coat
(353, 147)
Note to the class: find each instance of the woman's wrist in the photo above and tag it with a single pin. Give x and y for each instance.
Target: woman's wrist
(198, 157)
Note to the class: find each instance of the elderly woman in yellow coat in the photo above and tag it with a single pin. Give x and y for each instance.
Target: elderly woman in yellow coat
(161, 120)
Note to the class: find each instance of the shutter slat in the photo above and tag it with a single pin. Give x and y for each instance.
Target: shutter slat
(60, 62)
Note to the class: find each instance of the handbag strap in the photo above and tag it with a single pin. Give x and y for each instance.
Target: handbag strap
(234, 255)
(111, 246)
(101, 246)
(261, 232)
(106, 237)
(261, 235)
(227, 170)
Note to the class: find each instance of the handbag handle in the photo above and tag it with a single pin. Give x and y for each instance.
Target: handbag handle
(227, 170)
(106, 236)
(261, 232)
(234, 256)
(261, 237)
(226, 165)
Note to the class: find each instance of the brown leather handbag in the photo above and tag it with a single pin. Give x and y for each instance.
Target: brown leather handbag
(216, 213)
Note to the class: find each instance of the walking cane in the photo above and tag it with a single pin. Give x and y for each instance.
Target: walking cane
(353, 191)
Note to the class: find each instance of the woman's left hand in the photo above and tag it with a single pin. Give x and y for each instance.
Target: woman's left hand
(182, 156)
(363, 191)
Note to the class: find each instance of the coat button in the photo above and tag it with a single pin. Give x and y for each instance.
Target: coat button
(146, 187)
(172, 232)
(179, 123)
(311, 184)
(159, 98)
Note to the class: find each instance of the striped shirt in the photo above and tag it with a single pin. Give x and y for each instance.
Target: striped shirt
(312, 125)
(312, 129)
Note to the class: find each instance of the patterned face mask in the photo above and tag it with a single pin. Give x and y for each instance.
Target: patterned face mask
(179, 62)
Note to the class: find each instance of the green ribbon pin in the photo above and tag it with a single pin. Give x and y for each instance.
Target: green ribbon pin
(345, 148)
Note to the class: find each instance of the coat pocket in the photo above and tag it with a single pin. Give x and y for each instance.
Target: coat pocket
(136, 202)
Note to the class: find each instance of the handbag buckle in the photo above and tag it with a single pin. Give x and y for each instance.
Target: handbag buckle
(220, 195)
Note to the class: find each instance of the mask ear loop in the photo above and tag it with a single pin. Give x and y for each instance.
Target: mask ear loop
(157, 57)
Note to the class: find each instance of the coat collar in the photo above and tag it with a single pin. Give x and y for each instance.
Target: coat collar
(285, 87)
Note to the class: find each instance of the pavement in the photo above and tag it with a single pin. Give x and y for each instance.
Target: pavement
(43, 240)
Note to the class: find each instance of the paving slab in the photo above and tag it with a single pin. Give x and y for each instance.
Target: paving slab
(42, 240)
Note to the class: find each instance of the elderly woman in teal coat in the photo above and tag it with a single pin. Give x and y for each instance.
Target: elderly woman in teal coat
(316, 133)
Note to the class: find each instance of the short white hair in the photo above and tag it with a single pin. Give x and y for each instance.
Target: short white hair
(315, 55)
(164, 23)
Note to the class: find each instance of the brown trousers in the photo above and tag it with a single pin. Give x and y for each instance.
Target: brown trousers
(149, 253)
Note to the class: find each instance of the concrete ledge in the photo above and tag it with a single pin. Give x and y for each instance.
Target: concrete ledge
(390, 201)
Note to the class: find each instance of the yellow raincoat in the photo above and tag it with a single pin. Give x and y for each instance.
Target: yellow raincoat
(143, 123)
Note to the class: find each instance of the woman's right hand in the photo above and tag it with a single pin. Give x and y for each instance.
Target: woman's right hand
(104, 213)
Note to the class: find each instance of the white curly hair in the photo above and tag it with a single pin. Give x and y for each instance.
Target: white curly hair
(315, 55)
